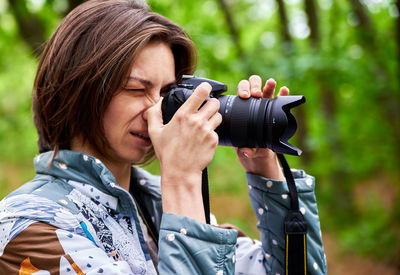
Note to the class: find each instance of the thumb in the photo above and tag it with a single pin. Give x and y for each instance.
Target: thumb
(154, 117)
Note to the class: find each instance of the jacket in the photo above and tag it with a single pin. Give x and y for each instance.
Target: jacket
(72, 218)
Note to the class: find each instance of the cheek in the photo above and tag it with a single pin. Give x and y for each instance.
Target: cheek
(116, 109)
(113, 117)
(120, 115)
(110, 120)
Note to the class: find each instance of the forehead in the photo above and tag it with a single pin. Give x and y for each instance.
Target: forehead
(154, 62)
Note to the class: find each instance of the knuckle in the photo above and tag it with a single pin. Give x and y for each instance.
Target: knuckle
(194, 122)
(218, 118)
(180, 116)
(214, 138)
(215, 102)
(190, 120)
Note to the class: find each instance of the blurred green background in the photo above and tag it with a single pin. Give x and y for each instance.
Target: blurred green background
(343, 55)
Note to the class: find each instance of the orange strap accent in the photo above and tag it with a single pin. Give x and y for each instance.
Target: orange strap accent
(77, 269)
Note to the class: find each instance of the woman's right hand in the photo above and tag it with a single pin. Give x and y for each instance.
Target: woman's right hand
(184, 147)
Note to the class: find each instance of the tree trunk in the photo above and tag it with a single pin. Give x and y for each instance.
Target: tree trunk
(234, 33)
(301, 134)
(397, 26)
(364, 21)
(395, 215)
(30, 27)
(312, 22)
(284, 21)
(73, 4)
(390, 98)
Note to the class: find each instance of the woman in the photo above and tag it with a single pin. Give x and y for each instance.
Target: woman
(96, 105)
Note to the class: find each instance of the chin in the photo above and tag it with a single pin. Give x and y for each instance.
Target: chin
(138, 158)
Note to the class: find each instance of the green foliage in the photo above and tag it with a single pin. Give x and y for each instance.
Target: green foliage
(372, 235)
(17, 71)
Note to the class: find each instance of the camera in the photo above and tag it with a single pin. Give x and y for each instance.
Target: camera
(251, 122)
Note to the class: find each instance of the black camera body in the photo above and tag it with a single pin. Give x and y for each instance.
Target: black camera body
(252, 122)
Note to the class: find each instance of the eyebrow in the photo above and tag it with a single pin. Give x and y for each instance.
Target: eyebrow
(145, 82)
(148, 83)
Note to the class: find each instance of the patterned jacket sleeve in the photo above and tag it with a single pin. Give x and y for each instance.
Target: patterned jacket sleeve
(270, 202)
(189, 247)
(42, 247)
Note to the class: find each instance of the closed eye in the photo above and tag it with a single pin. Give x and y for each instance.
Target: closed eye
(134, 90)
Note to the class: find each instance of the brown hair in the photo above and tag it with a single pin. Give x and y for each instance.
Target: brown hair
(88, 59)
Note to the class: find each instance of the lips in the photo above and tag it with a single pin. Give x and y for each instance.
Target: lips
(141, 135)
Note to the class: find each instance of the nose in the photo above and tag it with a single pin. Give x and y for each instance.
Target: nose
(150, 102)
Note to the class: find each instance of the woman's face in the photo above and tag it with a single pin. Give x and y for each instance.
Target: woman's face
(125, 120)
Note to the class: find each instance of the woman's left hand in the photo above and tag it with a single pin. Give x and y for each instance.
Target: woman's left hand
(260, 161)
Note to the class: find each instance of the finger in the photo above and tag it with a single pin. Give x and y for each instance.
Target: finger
(210, 108)
(197, 98)
(244, 89)
(247, 152)
(215, 139)
(283, 91)
(215, 121)
(255, 86)
(154, 117)
(269, 88)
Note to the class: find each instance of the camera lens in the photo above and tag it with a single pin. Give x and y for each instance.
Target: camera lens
(238, 117)
(258, 122)
(252, 122)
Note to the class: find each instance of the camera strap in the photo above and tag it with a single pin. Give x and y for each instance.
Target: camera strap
(295, 228)
(206, 194)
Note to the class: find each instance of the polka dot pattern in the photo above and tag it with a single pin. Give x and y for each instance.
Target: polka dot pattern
(171, 237)
(62, 165)
(142, 181)
(266, 196)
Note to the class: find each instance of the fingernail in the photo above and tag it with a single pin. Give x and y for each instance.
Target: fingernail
(245, 154)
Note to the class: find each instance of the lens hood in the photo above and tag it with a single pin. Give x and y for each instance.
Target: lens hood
(282, 124)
